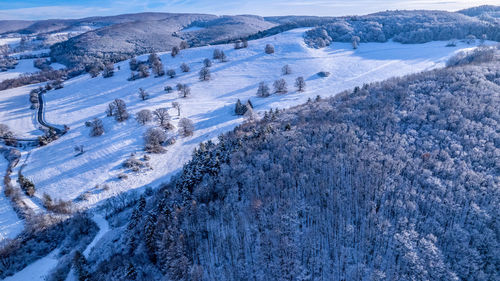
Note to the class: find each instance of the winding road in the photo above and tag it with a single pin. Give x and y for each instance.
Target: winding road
(41, 120)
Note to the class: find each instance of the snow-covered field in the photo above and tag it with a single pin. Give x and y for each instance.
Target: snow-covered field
(10, 224)
(57, 171)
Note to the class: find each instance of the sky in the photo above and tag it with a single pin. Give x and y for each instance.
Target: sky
(44, 9)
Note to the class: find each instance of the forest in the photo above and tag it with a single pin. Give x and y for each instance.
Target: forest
(394, 180)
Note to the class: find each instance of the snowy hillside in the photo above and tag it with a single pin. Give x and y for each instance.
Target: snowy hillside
(56, 170)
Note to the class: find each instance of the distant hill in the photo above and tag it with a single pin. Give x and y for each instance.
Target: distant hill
(124, 40)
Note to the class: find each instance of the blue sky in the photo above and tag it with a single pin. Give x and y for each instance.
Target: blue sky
(43, 9)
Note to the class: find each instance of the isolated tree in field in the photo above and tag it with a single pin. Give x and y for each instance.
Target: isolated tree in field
(470, 39)
(133, 64)
(300, 84)
(186, 127)
(217, 54)
(97, 127)
(171, 73)
(263, 90)
(143, 95)
(269, 49)
(205, 74)
(143, 70)
(175, 51)
(355, 42)
(163, 118)
(158, 68)
(154, 139)
(179, 86)
(177, 106)
(223, 57)
(185, 67)
(144, 116)
(109, 70)
(207, 62)
(280, 86)
(183, 45)
(168, 89)
(184, 91)
(286, 69)
(118, 108)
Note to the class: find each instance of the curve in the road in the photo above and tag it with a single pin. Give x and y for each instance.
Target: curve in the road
(41, 120)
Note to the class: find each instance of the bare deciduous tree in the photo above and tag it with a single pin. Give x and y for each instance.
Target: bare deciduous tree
(144, 116)
(269, 49)
(154, 139)
(175, 51)
(185, 67)
(286, 69)
(280, 86)
(205, 74)
(171, 73)
(263, 90)
(177, 106)
(186, 127)
(163, 118)
(143, 94)
(97, 127)
(184, 91)
(300, 83)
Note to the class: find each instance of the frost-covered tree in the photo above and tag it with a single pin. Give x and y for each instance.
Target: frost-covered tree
(207, 62)
(186, 127)
(97, 128)
(109, 70)
(177, 106)
(286, 69)
(144, 116)
(185, 67)
(263, 90)
(171, 73)
(217, 55)
(168, 89)
(163, 118)
(184, 90)
(143, 95)
(183, 45)
(204, 74)
(118, 109)
(355, 42)
(280, 86)
(269, 49)
(154, 139)
(175, 51)
(300, 84)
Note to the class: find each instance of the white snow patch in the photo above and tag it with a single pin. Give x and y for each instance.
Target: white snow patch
(192, 28)
(38, 270)
(10, 224)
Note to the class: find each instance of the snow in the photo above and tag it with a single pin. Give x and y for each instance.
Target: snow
(37, 270)
(57, 171)
(24, 66)
(103, 225)
(10, 224)
(192, 28)
(10, 40)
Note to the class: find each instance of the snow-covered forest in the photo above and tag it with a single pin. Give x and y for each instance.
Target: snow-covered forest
(390, 181)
